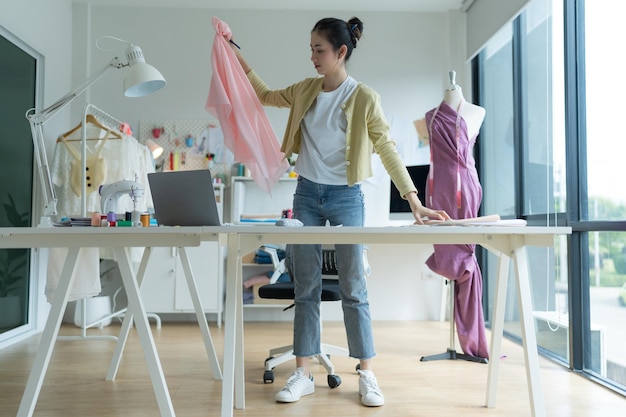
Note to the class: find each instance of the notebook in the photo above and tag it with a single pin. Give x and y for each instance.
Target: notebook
(184, 198)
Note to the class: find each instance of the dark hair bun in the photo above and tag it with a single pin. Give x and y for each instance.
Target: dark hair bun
(356, 29)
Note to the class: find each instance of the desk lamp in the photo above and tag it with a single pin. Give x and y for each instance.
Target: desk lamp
(141, 80)
(155, 148)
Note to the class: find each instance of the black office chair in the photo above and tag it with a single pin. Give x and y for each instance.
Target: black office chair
(285, 291)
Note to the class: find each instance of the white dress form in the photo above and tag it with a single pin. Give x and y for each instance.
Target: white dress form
(453, 96)
(471, 113)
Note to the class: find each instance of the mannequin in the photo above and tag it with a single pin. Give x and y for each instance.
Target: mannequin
(453, 185)
(473, 114)
(453, 97)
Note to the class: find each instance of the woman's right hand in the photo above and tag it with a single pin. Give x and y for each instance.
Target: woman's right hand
(420, 212)
(244, 65)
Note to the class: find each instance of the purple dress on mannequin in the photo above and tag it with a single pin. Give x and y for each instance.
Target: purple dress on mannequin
(453, 186)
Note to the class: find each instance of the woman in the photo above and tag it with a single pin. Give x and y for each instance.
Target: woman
(334, 124)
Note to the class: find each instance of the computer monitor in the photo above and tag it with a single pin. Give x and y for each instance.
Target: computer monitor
(398, 207)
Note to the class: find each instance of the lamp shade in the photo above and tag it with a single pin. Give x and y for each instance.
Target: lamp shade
(155, 148)
(141, 79)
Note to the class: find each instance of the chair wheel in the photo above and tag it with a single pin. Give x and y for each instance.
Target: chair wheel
(334, 381)
(268, 377)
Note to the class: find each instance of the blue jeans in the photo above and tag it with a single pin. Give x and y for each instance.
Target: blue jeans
(315, 204)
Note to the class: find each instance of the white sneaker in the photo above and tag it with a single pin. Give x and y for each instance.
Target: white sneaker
(297, 385)
(371, 395)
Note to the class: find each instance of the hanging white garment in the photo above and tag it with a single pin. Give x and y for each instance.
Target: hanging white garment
(86, 273)
(126, 159)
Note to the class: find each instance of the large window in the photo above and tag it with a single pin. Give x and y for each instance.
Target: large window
(604, 208)
(541, 108)
(496, 139)
(606, 140)
(547, 84)
(522, 157)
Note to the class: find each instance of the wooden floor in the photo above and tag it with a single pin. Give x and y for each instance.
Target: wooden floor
(75, 385)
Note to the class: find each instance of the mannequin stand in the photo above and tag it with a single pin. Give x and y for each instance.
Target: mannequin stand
(451, 352)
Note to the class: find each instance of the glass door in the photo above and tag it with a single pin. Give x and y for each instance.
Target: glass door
(18, 81)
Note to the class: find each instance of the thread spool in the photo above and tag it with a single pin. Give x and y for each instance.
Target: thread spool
(95, 219)
(145, 220)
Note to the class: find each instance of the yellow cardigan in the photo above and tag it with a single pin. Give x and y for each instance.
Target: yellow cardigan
(367, 129)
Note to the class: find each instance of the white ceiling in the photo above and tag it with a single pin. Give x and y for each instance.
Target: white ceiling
(343, 5)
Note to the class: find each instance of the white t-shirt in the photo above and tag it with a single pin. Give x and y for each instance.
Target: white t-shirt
(322, 156)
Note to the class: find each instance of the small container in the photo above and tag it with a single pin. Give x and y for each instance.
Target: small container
(136, 218)
(145, 220)
(95, 219)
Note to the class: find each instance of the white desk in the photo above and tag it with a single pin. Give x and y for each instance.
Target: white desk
(508, 243)
(119, 239)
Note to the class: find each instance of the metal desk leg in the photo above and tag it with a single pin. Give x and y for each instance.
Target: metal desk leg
(119, 346)
(529, 337)
(240, 389)
(197, 304)
(145, 335)
(46, 344)
(497, 327)
(128, 321)
(233, 291)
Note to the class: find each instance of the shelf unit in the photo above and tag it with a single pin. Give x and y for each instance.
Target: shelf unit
(251, 269)
(246, 197)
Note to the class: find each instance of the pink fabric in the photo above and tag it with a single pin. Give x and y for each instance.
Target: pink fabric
(247, 131)
(457, 262)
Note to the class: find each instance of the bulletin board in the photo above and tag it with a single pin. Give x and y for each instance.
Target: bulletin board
(190, 145)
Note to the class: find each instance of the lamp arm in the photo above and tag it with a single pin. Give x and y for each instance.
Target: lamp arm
(37, 119)
(45, 178)
(47, 113)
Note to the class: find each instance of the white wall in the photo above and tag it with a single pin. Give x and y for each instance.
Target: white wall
(404, 56)
(46, 26)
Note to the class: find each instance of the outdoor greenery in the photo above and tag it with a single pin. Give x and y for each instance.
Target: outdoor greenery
(612, 245)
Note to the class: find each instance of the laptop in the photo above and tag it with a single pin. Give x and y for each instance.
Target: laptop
(184, 198)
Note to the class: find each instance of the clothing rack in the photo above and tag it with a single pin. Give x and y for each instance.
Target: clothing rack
(114, 124)
(106, 120)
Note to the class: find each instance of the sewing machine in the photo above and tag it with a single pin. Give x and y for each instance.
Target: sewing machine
(111, 193)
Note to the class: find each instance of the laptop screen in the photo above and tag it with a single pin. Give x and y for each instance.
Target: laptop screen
(184, 198)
